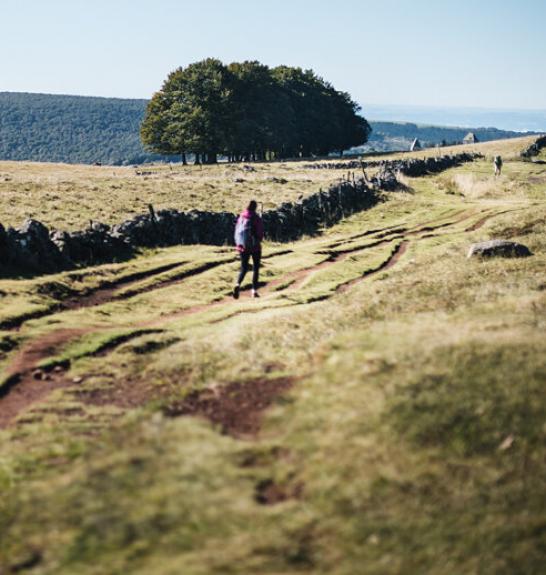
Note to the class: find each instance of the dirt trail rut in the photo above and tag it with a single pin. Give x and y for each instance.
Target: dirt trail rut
(25, 386)
(26, 383)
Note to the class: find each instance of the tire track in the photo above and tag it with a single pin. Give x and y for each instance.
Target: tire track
(396, 254)
(477, 225)
(106, 292)
(99, 294)
(25, 386)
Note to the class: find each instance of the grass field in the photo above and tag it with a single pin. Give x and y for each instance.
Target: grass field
(67, 197)
(379, 410)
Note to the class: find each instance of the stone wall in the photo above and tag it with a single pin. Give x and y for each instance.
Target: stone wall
(410, 167)
(34, 249)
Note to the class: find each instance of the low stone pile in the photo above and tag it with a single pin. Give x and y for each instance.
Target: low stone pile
(292, 220)
(534, 148)
(30, 247)
(386, 179)
(345, 165)
(414, 168)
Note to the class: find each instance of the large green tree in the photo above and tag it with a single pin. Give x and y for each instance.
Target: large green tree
(249, 111)
(191, 112)
(262, 113)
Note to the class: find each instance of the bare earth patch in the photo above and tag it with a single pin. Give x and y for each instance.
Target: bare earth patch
(236, 408)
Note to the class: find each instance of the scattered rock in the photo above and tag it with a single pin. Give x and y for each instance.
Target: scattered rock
(507, 443)
(268, 492)
(502, 248)
(534, 148)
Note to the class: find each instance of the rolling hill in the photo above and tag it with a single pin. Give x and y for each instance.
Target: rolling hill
(86, 130)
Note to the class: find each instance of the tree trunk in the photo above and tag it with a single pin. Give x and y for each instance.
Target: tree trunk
(211, 158)
(184, 160)
(197, 159)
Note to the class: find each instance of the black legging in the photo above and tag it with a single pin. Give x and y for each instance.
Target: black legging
(245, 258)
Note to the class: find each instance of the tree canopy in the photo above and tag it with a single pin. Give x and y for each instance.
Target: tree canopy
(250, 111)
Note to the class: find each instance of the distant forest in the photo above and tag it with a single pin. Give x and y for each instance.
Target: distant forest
(80, 129)
(73, 129)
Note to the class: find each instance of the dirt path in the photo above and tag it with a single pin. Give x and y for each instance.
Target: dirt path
(25, 385)
(109, 291)
(481, 222)
(237, 408)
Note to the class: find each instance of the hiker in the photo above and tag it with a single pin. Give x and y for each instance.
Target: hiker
(497, 162)
(249, 232)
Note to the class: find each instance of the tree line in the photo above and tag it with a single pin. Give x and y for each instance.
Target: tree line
(248, 111)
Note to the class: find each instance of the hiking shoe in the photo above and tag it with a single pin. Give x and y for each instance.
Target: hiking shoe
(236, 292)
(255, 293)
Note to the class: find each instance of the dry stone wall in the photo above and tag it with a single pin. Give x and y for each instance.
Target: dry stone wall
(34, 249)
(413, 167)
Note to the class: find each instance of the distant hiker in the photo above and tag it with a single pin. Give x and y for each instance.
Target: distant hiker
(497, 162)
(249, 233)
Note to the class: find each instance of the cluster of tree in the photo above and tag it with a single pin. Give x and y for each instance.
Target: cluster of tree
(72, 129)
(249, 111)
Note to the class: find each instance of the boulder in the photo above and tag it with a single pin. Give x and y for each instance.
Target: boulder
(502, 248)
(32, 249)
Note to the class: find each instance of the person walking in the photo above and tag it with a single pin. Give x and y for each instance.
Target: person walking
(497, 162)
(249, 233)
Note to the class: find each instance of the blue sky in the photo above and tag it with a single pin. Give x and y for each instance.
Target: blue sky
(475, 53)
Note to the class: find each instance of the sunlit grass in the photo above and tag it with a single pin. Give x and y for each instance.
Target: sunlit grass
(414, 428)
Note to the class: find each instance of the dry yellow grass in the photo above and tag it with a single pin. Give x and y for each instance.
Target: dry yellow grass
(67, 196)
(508, 149)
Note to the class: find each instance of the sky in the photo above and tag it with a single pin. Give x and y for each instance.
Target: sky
(438, 53)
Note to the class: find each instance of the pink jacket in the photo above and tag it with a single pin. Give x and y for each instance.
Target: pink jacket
(258, 228)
